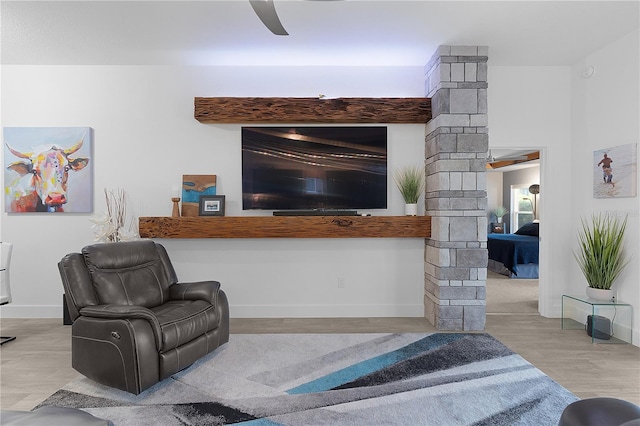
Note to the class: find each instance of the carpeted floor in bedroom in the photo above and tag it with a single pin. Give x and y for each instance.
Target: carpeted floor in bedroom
(511, 296)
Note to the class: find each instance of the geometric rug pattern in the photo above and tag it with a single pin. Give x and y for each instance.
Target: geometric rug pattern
(339, 379)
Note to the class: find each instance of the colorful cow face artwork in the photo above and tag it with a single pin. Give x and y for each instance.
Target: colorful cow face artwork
(50, 174)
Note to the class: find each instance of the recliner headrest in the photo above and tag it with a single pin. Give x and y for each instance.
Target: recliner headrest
(120, 255)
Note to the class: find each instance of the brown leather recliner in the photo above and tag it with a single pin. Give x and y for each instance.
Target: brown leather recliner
(133, 323)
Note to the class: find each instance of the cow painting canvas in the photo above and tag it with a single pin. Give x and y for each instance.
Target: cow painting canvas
(48, 169)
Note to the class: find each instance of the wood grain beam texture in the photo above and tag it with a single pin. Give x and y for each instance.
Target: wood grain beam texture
(312, 110)
(286, 227)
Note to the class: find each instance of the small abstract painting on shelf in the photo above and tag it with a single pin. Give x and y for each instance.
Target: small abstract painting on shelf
(193, 186)
(48, 169)
(615, 172)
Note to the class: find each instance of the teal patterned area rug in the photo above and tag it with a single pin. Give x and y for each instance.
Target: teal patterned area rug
(339, 379)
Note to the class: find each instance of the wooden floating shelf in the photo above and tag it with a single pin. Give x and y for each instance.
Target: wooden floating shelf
(312, 110)
(286, 227)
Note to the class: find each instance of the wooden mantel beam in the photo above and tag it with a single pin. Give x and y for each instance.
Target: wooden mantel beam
(286, 227)
(312, 110)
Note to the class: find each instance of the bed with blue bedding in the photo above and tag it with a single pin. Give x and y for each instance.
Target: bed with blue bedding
(515, 255)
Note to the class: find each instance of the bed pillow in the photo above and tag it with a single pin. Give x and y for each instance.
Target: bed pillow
(530, 228)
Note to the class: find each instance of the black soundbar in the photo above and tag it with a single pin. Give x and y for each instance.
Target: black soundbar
(316, 212)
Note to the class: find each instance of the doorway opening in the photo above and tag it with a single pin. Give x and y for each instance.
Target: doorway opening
(513, 182)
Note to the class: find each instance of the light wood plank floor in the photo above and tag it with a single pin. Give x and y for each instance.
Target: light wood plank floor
(39, 361)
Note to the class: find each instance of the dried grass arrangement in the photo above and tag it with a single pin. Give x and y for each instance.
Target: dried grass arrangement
(110, 226)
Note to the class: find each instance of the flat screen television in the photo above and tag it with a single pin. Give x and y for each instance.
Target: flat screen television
(310, 168)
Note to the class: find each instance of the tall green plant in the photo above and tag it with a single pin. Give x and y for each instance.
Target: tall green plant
(601, 254)
(410, 182)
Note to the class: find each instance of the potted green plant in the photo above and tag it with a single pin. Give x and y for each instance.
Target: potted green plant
(601, 255)
(410, 182)
(500, 211)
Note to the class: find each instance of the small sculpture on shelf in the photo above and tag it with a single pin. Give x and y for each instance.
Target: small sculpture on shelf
(175, 198)
(176, 207)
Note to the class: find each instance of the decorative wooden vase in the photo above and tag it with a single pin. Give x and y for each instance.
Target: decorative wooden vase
(176, 207)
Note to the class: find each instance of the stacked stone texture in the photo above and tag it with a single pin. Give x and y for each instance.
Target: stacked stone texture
(456, 197)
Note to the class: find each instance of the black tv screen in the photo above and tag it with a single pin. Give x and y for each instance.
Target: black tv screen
(304, 168)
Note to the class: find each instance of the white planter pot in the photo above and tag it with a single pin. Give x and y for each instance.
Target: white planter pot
(600, 294)
(411, 210)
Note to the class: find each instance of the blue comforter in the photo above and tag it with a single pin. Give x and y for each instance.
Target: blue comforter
(513, 249)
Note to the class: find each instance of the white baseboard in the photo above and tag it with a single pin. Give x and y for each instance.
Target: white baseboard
(325, 311)
(31, 311)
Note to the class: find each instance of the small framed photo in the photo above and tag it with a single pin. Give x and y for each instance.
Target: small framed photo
(211, 205)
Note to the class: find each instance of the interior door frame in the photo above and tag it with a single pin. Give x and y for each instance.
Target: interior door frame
(544, 305)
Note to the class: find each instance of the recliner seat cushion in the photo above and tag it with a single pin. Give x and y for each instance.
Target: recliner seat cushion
(181, 321)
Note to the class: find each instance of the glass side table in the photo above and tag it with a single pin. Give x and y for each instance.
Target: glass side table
(575, 312)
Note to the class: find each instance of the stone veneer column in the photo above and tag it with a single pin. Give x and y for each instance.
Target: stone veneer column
(455, 196)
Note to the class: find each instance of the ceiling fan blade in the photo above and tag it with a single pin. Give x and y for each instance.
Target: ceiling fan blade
(266, 11)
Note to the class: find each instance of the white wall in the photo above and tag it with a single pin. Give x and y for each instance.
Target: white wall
(145, 139)
(529, 107)
(606, 113)
(494, 190)
(568, 117)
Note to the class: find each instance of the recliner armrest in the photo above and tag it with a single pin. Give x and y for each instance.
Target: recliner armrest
(125, 312)
(200, 290)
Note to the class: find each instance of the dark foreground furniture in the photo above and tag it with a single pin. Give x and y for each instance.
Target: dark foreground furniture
(51, 416)
(601, 412)
(133, 323)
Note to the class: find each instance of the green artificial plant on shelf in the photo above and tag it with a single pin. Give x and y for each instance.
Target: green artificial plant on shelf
(601, 255)
(500, 211)
(410, 182)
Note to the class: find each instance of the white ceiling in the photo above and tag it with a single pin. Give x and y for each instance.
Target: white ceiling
(347, 32)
